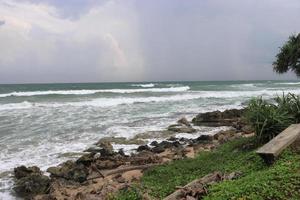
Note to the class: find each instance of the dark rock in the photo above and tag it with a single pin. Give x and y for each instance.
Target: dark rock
(180, 128)
(205, 138)
(166, 144)
(105, 145)
(158, 149)
(218, 118)
(106, 149)
(121, 152)
(23, 171)
(154, 143)
(172, 138)
(31, 185)
(86, 159)
(108, 164)
(176, 144)
(184, 121)
(143, 148)
(70, 170)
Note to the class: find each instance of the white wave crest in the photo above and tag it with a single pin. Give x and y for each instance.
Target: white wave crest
(149, 85)
(289, 83)
(86, 92)
(108, 102)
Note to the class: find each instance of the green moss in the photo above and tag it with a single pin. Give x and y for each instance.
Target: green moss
(280, 181)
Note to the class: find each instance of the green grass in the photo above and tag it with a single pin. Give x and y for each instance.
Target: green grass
(280, 181)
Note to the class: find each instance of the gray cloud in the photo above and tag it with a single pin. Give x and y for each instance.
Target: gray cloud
(2, 22)
(143, 40)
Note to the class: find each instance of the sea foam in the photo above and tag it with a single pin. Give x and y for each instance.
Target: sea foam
(86, 92)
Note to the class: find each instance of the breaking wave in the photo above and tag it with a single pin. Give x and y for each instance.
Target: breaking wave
(87, 92)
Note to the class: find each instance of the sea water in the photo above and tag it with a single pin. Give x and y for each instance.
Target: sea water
(46, 124)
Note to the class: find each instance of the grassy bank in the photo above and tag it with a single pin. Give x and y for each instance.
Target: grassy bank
(279, 181)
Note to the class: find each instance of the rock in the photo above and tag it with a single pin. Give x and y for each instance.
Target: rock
(166, 144)
(121, 152)
(233, 176)
(158, 149)
(106, 149)
(154, 143)
(143, 148)
(31, 185)
(180, 128)
(172, 138)
(247, 129)
(105, 145)
(184, 121)
(23, 171)
(108, 164)
(205, 138)
(218, 118)
(70, 170)
(87, 158)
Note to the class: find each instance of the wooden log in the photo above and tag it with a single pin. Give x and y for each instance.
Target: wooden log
(270, 151)
(106, 173)
(198, 183)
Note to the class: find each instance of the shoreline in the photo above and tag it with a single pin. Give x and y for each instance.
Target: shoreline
(100, 165)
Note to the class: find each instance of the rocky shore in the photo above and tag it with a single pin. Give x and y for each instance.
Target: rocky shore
(102, 171)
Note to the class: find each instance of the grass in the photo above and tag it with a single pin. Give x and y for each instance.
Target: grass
(280, 181)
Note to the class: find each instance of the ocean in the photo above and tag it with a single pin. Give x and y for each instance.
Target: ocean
(46, 124)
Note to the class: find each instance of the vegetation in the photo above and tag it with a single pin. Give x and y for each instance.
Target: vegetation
(258, 182)
(280, 181)
(289, 56)
(270, 118)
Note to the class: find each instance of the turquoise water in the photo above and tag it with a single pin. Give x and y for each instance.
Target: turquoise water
(43, 124)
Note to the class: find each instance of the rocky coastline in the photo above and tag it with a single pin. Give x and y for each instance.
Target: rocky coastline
(102, 171)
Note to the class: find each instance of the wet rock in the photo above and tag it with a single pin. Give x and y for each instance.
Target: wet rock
(180, 128)
(105, 145)
(31, 185)
(143, 148)
(184, 121)
(172, 138)
(158, 149)
(166, 144)
(70, 170)
(87, 158)
(23, 171)
(121, 152)
(154, 143)
(218, 118)
(205, 138)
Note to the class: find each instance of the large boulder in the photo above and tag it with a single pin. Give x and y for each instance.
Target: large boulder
(181, 128)
(184, 121)
(32, 185)
(30, 182)
(69, 170)
(23, 171)
(218, 118)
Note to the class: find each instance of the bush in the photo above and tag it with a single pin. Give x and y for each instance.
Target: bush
(290, 103)
(269, 119)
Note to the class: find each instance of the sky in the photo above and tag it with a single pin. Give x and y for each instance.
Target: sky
(50, 41)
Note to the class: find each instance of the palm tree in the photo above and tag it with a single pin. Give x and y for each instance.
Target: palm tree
(289, 56)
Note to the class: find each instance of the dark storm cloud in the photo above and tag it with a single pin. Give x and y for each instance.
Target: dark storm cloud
(113, 40)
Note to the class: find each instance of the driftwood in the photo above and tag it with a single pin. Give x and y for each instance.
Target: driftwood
(122, 170)
(272, 149)
(196, 187)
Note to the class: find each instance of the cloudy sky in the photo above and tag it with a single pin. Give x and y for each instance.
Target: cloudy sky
(142, 40)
